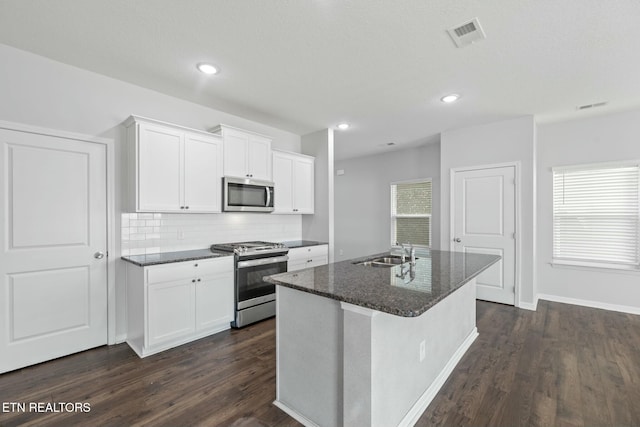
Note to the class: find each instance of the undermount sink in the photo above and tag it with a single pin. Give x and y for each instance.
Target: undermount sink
(385, 261)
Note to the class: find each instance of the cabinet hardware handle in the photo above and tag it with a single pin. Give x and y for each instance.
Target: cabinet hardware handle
(198, 280)
(181, 207)
(195, 265)
(186, 207)
(193, 280)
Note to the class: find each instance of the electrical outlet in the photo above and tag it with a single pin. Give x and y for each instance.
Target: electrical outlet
(423, 350)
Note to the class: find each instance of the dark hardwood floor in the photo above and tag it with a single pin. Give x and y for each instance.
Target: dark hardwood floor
(560, 366)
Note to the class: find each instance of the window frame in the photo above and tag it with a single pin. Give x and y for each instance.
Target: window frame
(603, 264)
(393, 217)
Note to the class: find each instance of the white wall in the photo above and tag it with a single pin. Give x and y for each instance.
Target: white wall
(362, 198)
(494, 143)
(40, 92)
(592, 140)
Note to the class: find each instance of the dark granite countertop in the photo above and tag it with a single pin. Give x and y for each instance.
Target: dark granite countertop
(437, 274)
(169, 257)
(292, 244)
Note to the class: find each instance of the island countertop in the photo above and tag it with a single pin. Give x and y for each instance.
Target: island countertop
(436, 275)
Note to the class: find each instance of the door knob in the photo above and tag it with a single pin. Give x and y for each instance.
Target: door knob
(457, 240)
(98, 255)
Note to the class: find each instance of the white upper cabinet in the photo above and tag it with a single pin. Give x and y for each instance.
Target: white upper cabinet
(172, 168)
(246, 154)
(159, 168)
(294, 183)
(203, 158)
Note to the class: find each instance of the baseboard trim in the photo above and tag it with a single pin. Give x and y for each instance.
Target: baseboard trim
(423, 402)
(121, 338)
(528, 305)
(295, 415)
(592, 304)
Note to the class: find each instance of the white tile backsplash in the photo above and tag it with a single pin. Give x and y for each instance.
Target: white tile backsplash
(159, 232)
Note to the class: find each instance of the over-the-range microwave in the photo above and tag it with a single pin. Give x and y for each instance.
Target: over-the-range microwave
(247, 195)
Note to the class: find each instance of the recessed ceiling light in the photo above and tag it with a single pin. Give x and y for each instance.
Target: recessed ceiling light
(343, 126)
(450, 98)
(207, 68)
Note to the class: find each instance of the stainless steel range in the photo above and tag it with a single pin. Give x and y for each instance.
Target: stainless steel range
(255, 298)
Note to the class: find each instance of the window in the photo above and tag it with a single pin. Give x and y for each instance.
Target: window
(411, 213)
(596, 215)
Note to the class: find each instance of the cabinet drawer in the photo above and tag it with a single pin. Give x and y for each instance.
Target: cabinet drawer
(317, 261)
(189, 269)
(309, 252)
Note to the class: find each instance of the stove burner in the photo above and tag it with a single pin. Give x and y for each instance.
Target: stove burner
(247, 248)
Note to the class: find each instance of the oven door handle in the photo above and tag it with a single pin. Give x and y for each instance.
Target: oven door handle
(262, 261)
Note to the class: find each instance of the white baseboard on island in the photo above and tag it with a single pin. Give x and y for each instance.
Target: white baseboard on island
(423, 402)
(295, 415)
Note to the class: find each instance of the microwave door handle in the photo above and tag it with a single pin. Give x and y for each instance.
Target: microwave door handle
(268, 196)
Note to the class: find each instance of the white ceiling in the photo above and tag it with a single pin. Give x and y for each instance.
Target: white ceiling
(381, 65)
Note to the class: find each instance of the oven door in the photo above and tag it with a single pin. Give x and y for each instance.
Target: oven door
(250, 288)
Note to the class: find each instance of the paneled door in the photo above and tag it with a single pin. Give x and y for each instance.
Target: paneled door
(483, 218)
(53, 233)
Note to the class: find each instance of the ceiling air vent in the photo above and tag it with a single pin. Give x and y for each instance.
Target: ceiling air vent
(587, 106)
(467, 33)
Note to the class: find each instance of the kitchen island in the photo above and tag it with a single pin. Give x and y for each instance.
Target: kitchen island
(362, 344)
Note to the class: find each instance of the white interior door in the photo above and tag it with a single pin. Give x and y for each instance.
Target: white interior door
(484, 222)
(53, 215)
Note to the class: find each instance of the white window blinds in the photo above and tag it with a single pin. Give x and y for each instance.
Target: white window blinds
(596, 215)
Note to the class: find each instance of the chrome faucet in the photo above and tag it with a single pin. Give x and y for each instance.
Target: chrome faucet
(411, 252)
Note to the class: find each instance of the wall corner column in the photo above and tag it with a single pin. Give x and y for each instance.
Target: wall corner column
(320, 225)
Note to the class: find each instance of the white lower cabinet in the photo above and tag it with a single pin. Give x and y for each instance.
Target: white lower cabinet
(170, 312)
(172, 304)
(307, 257)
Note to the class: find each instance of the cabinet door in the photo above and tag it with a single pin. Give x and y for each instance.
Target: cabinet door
(170, 308)
(236, 145)
(303, 191)
(283, 180)
(202, 173)
(214, 301)
(160, 159)
(259, 160)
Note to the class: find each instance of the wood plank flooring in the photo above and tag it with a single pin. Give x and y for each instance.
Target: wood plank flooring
(560, 366)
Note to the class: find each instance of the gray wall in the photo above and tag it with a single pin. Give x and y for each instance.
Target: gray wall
(591, 140)
(40, 92)
(495, 143)
(320, 226)
(362, 198)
